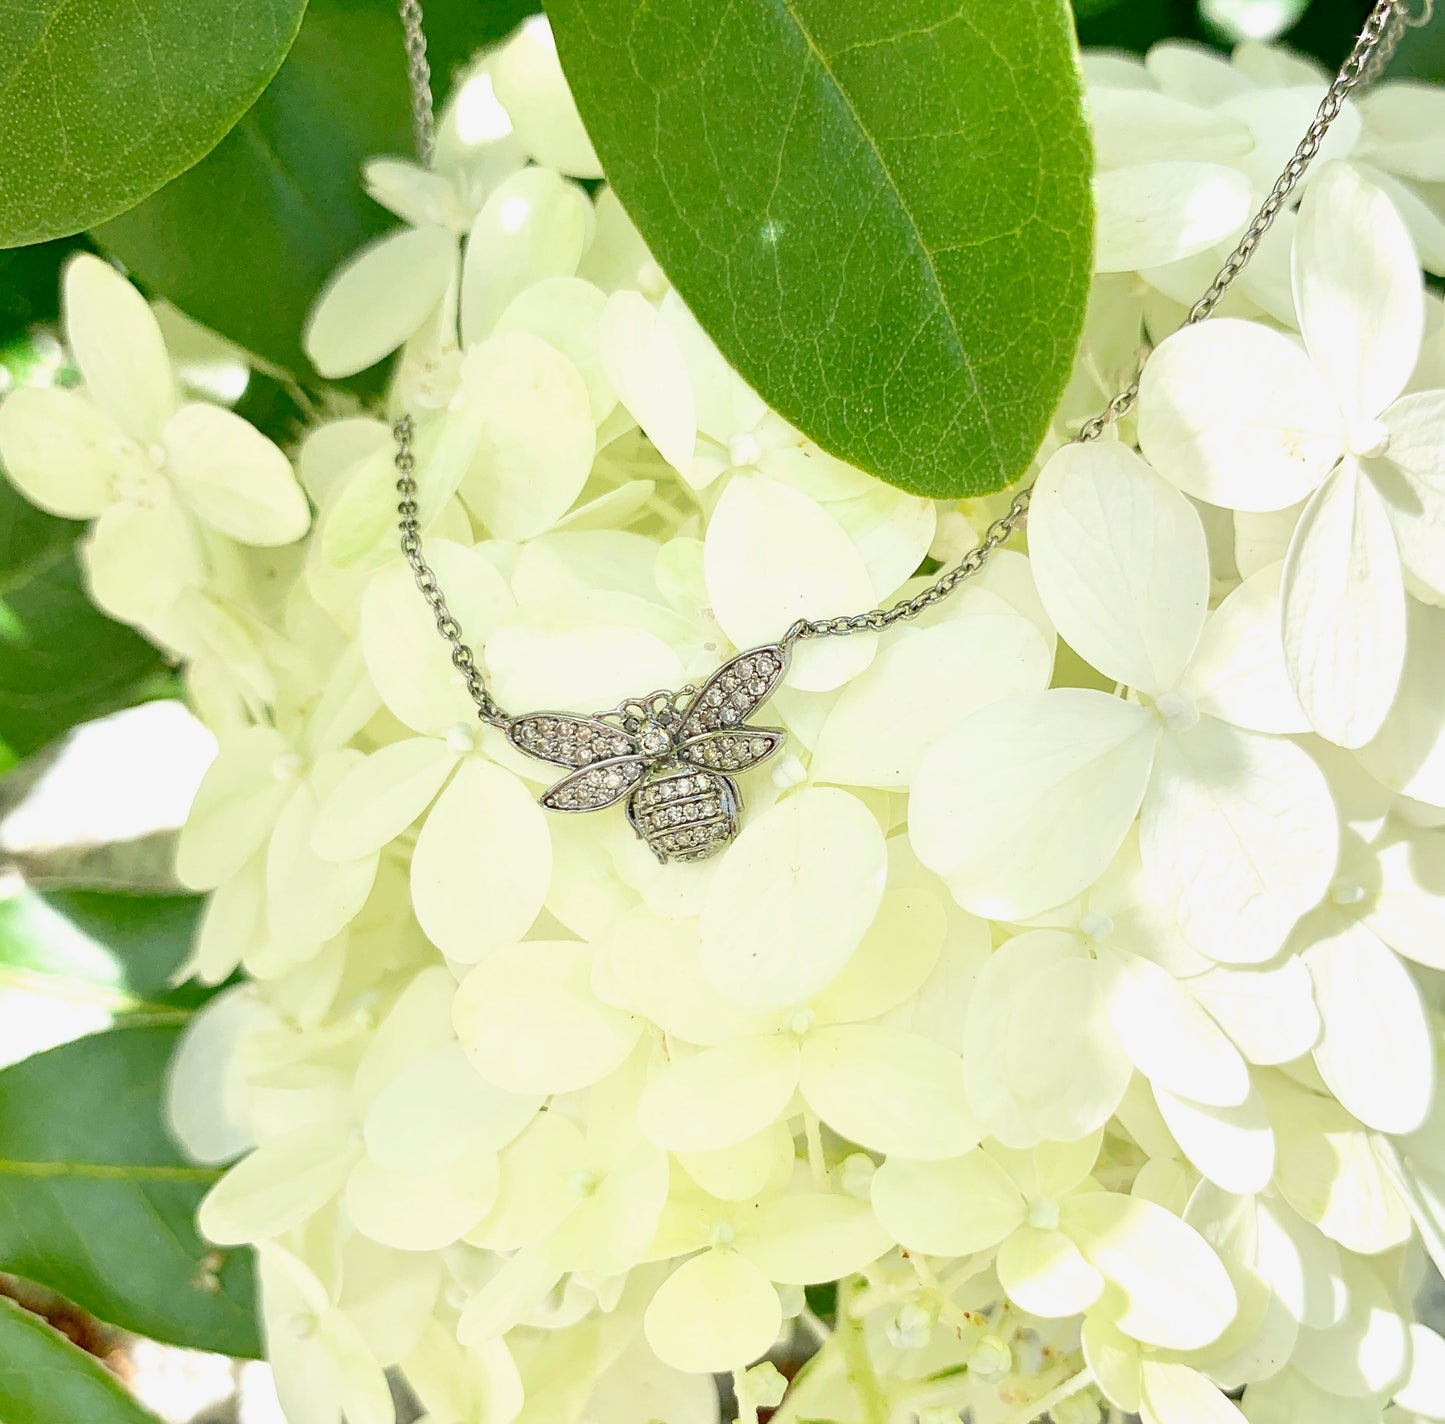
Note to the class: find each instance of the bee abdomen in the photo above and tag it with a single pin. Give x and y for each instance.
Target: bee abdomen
(685, 814)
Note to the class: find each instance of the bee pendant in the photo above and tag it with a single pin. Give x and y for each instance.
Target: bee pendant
(672, 751)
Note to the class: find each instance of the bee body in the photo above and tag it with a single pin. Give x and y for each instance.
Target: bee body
(684, 813)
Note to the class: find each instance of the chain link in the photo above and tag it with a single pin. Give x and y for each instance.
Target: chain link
(1371, 52)
(418, 73)
(463, 659)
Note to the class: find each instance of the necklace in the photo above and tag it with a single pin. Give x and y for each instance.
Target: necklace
(672, 754)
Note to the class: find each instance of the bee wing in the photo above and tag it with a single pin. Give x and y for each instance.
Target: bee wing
(735, 690)
(595, 786)
(569, 740)
(735, 750)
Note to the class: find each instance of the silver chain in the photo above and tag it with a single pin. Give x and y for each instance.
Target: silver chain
(463, 659)
(418, 73)
(1371, 52)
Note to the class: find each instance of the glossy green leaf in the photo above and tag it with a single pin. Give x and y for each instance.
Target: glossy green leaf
(62, 661)
(121, 950)
(244, 240)
(99, 1204)
(881, 213)
(44, 1379)
(102, 101)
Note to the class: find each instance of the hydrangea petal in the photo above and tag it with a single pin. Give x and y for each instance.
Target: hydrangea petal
(1197, 75)
(1066, 1068)
(380, 797)
(1044, 1273)
(533, 225)
(532, 88)
(1357, 290)
(308, 900)
(1238, 670)
(715, 1312)
(116, 342)
(653, 964)
(810, 1237)
(234, 807)
(1121, 565)
(918, 688)
(643, 362)
(565, 312)
(1367, 1352)
(792, 898)
(1235, 414)
(1344, 609)
(141, 559)
(1408, 908)
(420, 1211)
(1376, 1049)
(1269, 1013)
(888, 1091)
(1063, 773)
(1239, 837)
(1330, 1172)
(535, 1192)
(63, 453)
(1169, 1038)
(537, 439)
(412, 667)
(531, 1022)
(1411, 481)
(897, 955)
(482, 863)
(1424, 1389)
(1003, 990)
(278, 1186)
(1408, 755)
(721, 1095)
(950, 1208)
(1133, 126)
(379, 298)
(1152, 213)
(1175, 1392)
(438, 1110)
(1232, 1146)
(1168, 1287)
(233, 477)
(1300, 1264)
(771, 556)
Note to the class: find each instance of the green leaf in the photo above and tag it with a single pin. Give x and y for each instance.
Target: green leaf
(45, 1379)
(881, 213)
(245, 239)
(62, 661)
(102, 101)
(120, 950)
(97, 1203)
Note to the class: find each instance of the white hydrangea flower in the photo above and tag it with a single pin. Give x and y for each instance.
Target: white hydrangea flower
(159, 477)
(1237, 415)
(1062, 1242)
(1237, 834)
(1391, 132)
(720, 1309)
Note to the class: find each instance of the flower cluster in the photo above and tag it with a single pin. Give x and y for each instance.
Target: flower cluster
(1070, 1001)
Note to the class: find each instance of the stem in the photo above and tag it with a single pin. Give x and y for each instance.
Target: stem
(1041, 1406)
(816, 1161)
(815, 1327)
(747, 1408)
(856, 1361)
